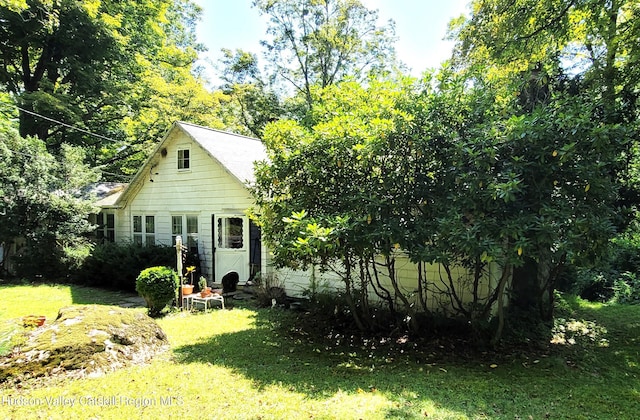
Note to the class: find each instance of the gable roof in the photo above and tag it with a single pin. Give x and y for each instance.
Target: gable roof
(106, 193)
(234, 152)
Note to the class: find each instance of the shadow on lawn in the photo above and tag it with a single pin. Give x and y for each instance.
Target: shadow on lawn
(270, 355)
(82, 295)
(622, 326)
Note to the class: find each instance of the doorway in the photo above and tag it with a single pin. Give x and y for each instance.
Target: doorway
(231, 246)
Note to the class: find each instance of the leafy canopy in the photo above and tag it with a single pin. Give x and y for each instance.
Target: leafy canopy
(41, 202)
(123, 70)
(320, 43)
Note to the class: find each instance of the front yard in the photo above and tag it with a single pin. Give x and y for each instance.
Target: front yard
(248, 363)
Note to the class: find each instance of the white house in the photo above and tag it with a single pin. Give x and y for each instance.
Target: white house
(195, 184)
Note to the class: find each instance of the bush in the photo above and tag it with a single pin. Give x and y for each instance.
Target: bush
(116, 266)
(615, 279)
(626, 253)
(158, 286)
(51, 260)
(267, 289)
(626, 289)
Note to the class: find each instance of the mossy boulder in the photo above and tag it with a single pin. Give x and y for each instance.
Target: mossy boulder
(85, 341)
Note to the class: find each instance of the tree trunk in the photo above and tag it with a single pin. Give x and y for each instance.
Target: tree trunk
(533, 285)
(348, 286)
(545, 286)
(507, 274)
(524, 287)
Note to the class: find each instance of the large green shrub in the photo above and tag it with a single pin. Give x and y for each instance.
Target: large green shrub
(116, 266)
(616, 278)
(41, 210)
(626, 289)
(158, 286)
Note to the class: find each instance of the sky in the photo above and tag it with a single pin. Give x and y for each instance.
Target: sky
(421, 26)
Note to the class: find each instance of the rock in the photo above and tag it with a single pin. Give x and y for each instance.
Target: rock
(85, 341)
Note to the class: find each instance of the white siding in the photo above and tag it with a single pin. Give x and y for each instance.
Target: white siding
(205, 189)
(297, 282)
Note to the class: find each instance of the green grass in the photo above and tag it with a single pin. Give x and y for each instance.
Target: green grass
(256, 364)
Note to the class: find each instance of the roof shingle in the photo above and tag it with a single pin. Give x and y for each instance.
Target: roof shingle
(235, 152)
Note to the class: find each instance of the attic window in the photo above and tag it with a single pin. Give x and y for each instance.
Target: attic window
(184, 159)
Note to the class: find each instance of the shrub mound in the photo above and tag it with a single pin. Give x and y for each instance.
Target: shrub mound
(85, 341)
(158, 287)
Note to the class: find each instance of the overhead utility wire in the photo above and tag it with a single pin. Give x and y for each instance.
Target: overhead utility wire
(99, 167)
(66, 125)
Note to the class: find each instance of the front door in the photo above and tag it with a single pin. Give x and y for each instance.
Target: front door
(231, 240)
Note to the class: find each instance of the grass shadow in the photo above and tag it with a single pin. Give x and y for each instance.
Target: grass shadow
(82, 295)
(270, 356)
(620, 327)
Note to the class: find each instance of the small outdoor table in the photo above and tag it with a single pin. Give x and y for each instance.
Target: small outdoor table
(187, 301)
(196, 298)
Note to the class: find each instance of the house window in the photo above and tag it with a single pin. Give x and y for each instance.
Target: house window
(181, 224)
(176, 228)
(144, 230)
(230, 232)
(106, 231)
(184, 159)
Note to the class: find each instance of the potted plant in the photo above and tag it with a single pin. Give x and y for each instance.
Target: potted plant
(204, 289)
(187, 289)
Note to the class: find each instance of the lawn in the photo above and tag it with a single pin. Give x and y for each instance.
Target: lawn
(246, 363)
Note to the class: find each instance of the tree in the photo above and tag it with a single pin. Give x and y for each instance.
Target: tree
(101, 66)
(501, 160)
(320, 43)
(591, 38)
(15, 5)
(333, 195)
(41, 203)
(516, 187)
(157, 103)
(448, 173)
(253, 100)
(576, 55)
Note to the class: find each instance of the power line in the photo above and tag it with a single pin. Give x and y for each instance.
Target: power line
(98, 167)
(66, 125)
(125, 177)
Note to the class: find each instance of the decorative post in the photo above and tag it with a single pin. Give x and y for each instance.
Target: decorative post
(179, 266)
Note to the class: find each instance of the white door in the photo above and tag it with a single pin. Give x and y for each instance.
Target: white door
(231, 239)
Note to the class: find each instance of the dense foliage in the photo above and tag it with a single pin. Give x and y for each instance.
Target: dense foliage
(42, 211)
(586, 50)
(449, 175)
(116, 266)
(503, 159)
(121, 70)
